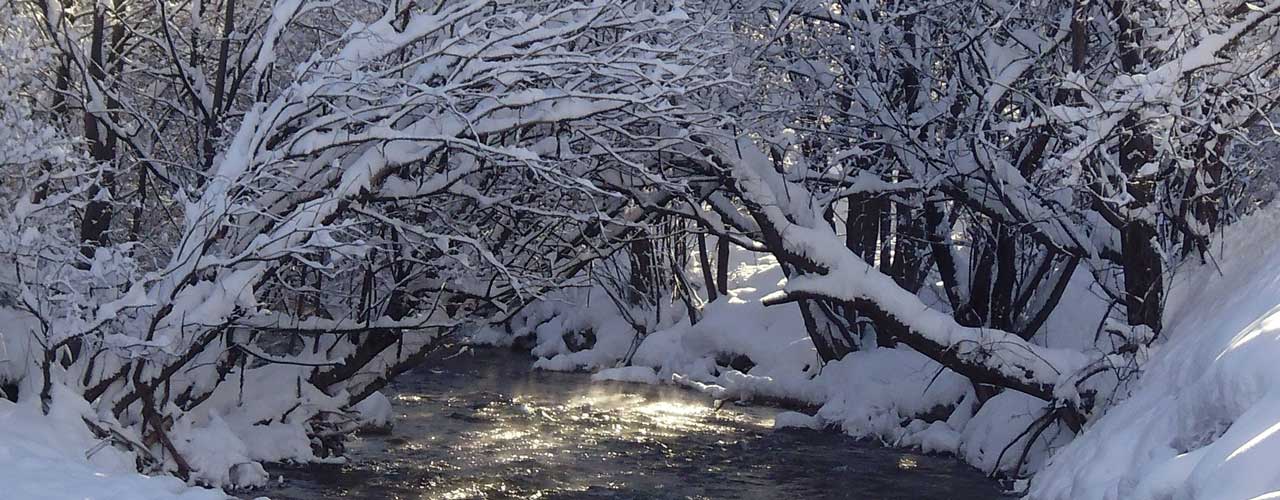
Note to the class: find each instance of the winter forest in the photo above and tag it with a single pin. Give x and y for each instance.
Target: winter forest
(1025, 246)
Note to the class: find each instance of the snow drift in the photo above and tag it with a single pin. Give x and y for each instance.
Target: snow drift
(1201, 422)
(55, 457)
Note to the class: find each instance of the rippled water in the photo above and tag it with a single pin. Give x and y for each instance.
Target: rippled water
(485, 426)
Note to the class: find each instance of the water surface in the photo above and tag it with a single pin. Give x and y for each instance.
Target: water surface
(483, 425)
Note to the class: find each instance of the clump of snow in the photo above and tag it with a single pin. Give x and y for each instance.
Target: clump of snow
(218, 456)
(640, 374)
(996, 437)
(227, 437)
(1202, 420)
(274, 442)
(795, 419)
(487, 336)
(870, 393)
(937, 437)
(375, 413)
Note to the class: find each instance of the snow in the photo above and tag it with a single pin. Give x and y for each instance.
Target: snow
(375, 411)
(997, 435)
(869, 393)
(878, 394)
(795, 419)
(1201, 422)
(44, 457)
(225, 442)
(228, 436)
(490, 337)
(938, 437)
(639, 374)
(219, 456)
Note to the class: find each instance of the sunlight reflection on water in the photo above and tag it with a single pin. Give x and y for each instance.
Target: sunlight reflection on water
(492, 429)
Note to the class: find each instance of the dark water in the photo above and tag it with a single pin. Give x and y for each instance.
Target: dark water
(485, 426)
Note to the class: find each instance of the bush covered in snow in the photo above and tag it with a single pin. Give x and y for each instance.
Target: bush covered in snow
(231, 226)
(972, 227)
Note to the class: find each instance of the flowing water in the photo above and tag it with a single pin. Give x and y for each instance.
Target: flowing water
(484, 425)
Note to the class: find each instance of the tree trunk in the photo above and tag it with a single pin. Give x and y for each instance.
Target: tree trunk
(1143, 269)
(642, 280)
(722, 265)
(1006, 272)
(102, 146)
(704, 261)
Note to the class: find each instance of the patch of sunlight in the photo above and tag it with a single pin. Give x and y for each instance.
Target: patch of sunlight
(415, 447)
(604, 400)
(673, 408)
(1256, 439)
(675, 415)
(505, 434)
(506, 443)
(469, 491)
(907, 462)
(1268, 323)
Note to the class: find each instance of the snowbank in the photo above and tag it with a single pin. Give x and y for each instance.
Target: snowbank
(1201, 422)
(742, 350)
(55, 457)
(998, 434)
(225, 440)
(871, 393)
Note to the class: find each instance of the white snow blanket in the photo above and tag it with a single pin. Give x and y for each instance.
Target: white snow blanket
(1201, 422)
(55, 457)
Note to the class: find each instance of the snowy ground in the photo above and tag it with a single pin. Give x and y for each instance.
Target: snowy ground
(55, 457)
(1201, 423)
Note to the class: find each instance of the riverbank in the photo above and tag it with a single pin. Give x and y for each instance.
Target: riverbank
(1195, 416)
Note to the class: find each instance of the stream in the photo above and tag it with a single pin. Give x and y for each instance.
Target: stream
(484, 425)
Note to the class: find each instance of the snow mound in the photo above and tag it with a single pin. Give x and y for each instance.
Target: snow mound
(55, 457)
(937, 437)
(870, 393)
(793, 419)
(218, 456)
(998, 434)
(1201, 422)
(375, 412)
(640, 374)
